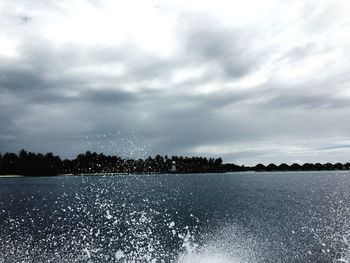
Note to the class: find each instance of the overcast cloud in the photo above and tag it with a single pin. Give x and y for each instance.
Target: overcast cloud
(250, 81)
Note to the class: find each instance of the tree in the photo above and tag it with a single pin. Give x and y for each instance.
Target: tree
(259, 167)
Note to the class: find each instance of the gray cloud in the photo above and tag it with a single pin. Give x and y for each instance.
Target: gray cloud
(229, 51)
(106, 96)
(206, 94)
(335, 147)
(20, 81)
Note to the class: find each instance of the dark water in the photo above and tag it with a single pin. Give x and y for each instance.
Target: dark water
(240, 217)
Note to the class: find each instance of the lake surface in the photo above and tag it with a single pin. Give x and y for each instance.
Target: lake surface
(237, 217)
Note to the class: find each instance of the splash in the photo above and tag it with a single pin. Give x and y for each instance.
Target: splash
(91, 225)
(222, 243)
(134, 219)
(129, 144)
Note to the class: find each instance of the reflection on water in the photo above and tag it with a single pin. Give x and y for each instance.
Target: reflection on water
(242, 217)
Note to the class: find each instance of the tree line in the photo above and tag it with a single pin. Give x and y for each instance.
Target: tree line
(29, 163)
(37, 164)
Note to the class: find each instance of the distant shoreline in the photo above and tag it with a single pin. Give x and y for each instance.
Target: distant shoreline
(12, 176)
(146, 174)
(25, 163)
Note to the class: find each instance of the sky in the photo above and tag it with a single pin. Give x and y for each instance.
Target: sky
(254, 81)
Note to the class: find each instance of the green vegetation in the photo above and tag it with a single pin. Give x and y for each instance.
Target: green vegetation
(37, 164)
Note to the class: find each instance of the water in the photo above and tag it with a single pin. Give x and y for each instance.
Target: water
(238, 217)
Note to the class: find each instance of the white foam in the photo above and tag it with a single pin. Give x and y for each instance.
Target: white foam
(206, 258)
(108, 215)
(119, 255)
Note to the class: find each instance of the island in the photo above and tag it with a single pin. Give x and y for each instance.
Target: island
(37, 164)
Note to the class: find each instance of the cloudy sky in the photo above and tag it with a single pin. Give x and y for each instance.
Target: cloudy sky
(251, 81)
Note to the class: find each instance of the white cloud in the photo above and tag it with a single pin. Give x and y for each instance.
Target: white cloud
(255, 81)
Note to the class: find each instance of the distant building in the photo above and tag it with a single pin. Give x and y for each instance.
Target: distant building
(173, 167)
